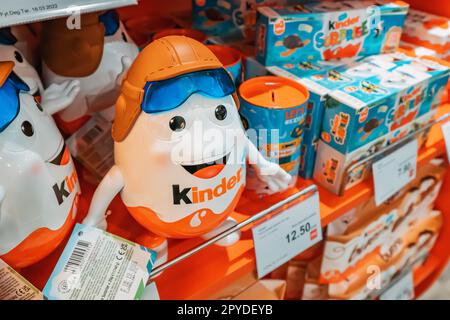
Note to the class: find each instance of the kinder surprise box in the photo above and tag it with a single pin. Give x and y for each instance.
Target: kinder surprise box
(368, 230)
(328, 30)
(366, 115)
(314, 109)
(320, 79)
(231, 19)
(428, 30)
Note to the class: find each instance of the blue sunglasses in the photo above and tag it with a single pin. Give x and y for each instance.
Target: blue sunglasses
(168, 94)
(9, 99)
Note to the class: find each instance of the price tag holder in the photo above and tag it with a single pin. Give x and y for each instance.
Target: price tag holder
(26, 11)
(286, 235)
(393, 172)
(446, 132)
(403, 289)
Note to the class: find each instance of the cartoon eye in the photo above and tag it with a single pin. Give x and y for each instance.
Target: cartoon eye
(27, 128)
(124, 37)
(221, 112)
(18, 56)
(177, 123)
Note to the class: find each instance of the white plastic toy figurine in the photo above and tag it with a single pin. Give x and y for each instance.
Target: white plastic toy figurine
(180, 149)
(54, 97)
(98, 54)
(39, 188)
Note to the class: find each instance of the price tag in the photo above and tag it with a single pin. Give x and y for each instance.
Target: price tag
(25, 11)
(393, 172)
(446, 132)
(286, 235)
(403, 289)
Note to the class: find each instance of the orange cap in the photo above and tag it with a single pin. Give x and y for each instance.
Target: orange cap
(162, 59)
(5, 69)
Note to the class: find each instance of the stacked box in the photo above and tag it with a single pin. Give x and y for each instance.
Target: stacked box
(364, 116)
(418, 51)
(230, 19)
(429, 31)
(328, 30)
(314, 111)
(320, 79)
(390, 237)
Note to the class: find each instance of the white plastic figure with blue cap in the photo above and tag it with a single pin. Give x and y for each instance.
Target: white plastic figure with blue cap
(57, 96)
(39, 187)
(97, 53)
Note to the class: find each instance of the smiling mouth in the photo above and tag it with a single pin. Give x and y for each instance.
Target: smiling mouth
(193, 169)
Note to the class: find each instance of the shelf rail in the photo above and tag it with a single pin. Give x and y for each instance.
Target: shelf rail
(309, 190)
(367, 161)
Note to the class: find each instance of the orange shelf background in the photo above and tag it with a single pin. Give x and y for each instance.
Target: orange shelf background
(214, 268)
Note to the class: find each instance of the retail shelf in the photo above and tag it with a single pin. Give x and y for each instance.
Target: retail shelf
(241, 258)
(207, 271)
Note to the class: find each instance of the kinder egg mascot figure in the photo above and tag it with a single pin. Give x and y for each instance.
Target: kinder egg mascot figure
(175, 84)
(57, 96)
(10, 52)
(98, 55)
(39, 188)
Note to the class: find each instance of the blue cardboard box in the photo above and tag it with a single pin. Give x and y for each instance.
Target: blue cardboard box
(328, 30)
(230, 19)
(371, 113)
(320, 80)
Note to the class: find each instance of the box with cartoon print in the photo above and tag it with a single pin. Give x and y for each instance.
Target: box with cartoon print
(328, 30)
(217, 17)
(337, 171)
(314, 109)
(367, 115)
(364, 110)
(320, 79)
(231, 19)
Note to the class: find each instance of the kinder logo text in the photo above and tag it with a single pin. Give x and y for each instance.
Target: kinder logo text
(407, 104)
(64, 189)
(341, 31)
(193, 195)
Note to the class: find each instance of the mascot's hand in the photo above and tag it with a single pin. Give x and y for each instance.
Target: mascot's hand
(57, 97)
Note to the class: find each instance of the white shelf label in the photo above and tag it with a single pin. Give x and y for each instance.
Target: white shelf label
(403, 289)
(287, 234)
(25, 11)
(393, 172)
(446, 132)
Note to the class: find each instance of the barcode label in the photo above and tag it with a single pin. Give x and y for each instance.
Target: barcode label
(77, 257)
(96, 265)
(92, 134)
(93, 146)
